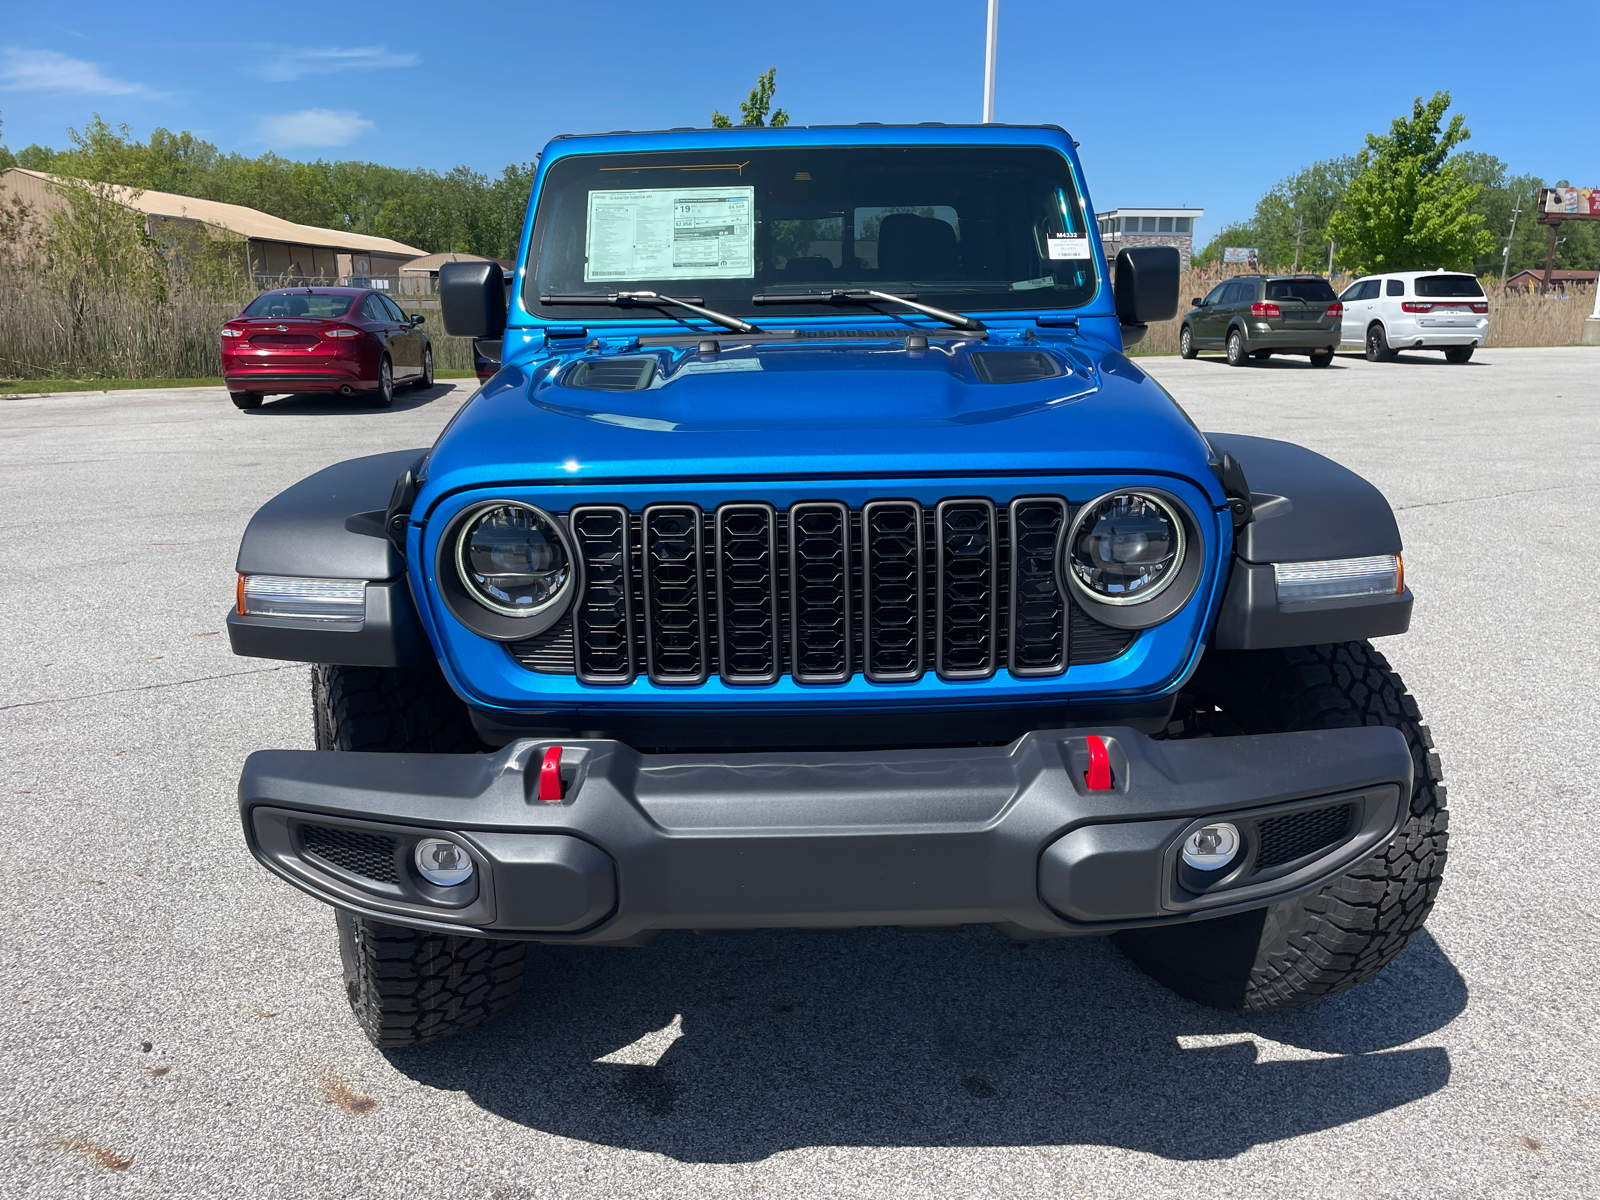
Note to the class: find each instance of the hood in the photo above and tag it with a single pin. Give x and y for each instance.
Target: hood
(962, 405)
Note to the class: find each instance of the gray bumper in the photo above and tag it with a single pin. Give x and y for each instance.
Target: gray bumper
(1008, 836)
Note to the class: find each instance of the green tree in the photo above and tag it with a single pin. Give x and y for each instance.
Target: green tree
(1411, 206)
(1299, 206)
(755, 109)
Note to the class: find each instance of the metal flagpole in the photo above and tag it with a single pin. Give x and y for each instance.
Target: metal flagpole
(988, 61)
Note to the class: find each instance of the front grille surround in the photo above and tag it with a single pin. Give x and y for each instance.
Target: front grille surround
(748, 623)
(967, 570)
(1041, 613)
(821, 607)
(893, 598)
(674, 590)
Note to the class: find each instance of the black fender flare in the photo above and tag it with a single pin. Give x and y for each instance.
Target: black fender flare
(1304, 508)
(333, 525)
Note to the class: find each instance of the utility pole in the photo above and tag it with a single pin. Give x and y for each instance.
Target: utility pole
(1505, 258)
(988, 61)
(1299, 229)
(1331, 247)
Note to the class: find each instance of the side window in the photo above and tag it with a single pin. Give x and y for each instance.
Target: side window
(1214, 296)
(1353, 292)
(373, 310)
(1395, 287)
(393, 309)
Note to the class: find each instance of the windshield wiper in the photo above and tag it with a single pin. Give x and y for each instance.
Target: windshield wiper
(866, 296)
(657, 300)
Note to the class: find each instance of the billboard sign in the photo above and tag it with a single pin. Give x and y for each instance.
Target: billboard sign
(1239, 254)
(1570, 201)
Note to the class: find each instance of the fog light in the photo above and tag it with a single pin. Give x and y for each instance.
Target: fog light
(1211, 847)
(445, 863)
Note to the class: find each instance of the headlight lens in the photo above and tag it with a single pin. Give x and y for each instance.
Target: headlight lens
(1126, 549)
(513, 560)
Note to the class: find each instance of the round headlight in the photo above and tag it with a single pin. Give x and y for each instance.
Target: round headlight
(513, 560)
(1125, 548)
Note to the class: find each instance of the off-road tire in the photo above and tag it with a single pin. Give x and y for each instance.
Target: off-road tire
(1349, 930)
(246, 400)
(1458, 354)
(425, 381)
(1236, 352)
(1186, 346)
(1378, 344)
(406, 986)
(1321, 358)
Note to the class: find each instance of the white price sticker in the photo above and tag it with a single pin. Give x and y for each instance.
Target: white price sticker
(1070, 245)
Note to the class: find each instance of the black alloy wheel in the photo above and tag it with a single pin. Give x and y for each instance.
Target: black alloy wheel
(1236, 352)
(384, 396)
(1186, 347)
(1378, 345)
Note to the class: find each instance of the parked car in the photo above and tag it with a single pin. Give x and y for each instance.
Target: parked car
(857, 581)
(1256, 316)
(1416, 310)
(324, 339)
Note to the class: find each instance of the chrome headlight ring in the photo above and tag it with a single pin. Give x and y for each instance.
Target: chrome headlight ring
(494, 612)
(1162, 598)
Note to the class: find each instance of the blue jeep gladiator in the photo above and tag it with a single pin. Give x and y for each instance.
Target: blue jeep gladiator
(816, 558)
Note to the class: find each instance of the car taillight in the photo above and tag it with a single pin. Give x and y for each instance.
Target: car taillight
(1267, 309)
(1335, 310)
(1481, 307)
(233, 333)
(1414, 306)
(341, 333)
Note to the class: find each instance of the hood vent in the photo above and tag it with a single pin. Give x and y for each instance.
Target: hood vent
(1013, 366)
(613, 375)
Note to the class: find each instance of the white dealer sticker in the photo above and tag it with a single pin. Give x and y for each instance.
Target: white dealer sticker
(1069, 245)
(671, 233)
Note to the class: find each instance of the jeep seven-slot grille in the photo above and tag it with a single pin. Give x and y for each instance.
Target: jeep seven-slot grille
(819, 592)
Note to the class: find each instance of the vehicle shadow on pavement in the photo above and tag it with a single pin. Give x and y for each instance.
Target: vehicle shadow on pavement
(888, 1038)
(1276, 363)
(331, 404)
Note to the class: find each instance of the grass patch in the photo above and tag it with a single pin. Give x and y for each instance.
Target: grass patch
(31, 386)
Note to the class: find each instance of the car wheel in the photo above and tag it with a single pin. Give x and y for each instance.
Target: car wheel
(1378, 345)
(384, 396)
(246, 399)
(1236, 352)
(1458, 354)
(425, 380)
(1348, 930)
(1186, 343)
(1321, 358)
(1261, 355)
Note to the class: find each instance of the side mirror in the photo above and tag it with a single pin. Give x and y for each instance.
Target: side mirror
(1197, 302)
(473, 298)
(1145, 285)
(417, 318)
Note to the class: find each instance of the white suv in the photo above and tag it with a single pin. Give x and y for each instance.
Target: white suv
(1416, 310)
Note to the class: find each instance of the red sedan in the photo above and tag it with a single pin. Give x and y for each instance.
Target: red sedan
(324, 339)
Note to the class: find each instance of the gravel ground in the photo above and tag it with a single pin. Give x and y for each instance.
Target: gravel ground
(173, 1023)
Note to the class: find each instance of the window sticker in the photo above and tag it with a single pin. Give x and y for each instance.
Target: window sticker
(671, 233)
(1069, 245)
(1028, 285)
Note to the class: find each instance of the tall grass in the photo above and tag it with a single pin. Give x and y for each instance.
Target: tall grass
(45, 335)
(1517, 317)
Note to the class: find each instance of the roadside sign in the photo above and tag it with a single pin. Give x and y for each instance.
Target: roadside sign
(1239, 254)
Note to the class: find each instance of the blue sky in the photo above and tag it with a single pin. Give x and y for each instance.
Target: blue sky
(1172, 104)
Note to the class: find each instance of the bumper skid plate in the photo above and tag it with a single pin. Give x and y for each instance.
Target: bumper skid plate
(1009, 836)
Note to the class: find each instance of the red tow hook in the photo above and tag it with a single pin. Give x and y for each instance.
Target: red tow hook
(550, 776)
(1098, 778)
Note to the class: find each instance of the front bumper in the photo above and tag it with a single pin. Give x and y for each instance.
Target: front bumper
(1006, 836)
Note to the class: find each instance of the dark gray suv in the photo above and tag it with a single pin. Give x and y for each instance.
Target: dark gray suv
(1257, 316)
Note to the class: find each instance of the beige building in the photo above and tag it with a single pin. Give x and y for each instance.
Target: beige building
(279, 251)
(420, 276)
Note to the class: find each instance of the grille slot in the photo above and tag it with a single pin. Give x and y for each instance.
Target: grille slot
(747, 593)
(820, 592)
(674, 594)
(967, 553)
(604, 615)
(1040, 618)
(1284, 839)
(892, 583)
(370, 855)
(1091, 642)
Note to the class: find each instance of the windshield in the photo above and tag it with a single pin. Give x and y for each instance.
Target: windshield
(299, 304)
(972, 228)
(1312, 291)
(1448, 285)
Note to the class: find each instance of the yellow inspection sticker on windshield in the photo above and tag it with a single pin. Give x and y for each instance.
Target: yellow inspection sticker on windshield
(671, 233)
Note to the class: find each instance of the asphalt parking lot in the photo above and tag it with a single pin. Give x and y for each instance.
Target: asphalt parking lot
(173, 1023)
